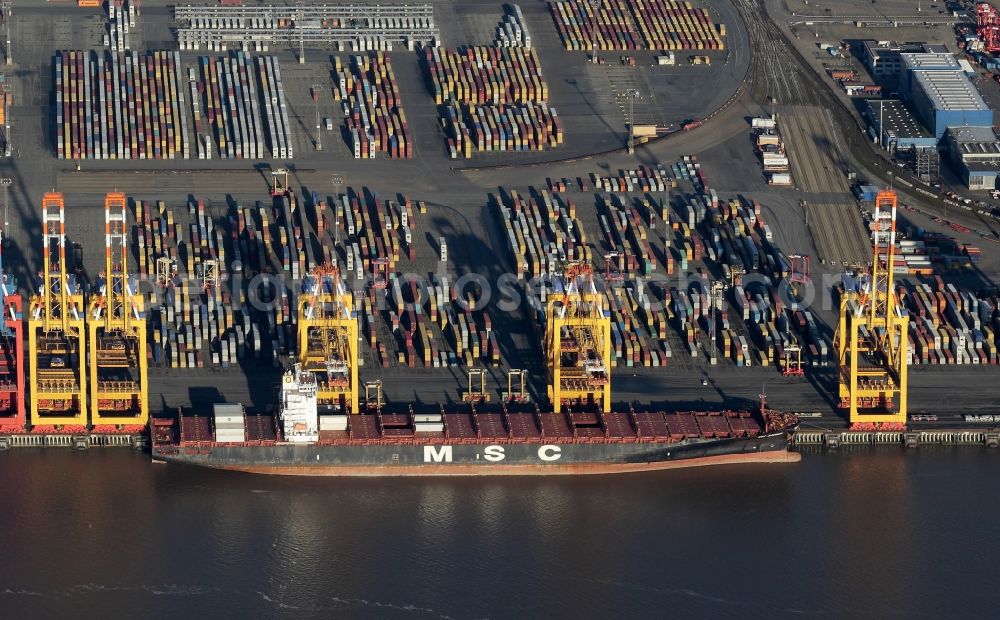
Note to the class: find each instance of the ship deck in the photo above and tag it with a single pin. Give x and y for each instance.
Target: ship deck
(482, 428)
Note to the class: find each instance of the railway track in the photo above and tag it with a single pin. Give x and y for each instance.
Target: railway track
(838, 234)
(770, 49)
(816, 160)
(774, 75)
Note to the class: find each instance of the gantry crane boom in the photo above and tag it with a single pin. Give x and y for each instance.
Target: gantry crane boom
(57, 314)
(117, 334)
(56, 338)
(328, 340)
(871, 337)
(578, 342)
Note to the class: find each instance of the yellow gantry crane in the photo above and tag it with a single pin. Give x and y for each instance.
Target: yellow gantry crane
(58, 393)
(328, 339)
(871, 337)
(578, 342)
(116, 334)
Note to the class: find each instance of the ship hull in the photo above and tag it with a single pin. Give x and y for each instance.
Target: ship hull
(480, 459)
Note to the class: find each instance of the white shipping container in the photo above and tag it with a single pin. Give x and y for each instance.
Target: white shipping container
(337, 422)
(427, 417)
(429, 427)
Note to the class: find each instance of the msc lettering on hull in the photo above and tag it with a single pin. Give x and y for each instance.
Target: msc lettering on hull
(493, 454)
(437, 454)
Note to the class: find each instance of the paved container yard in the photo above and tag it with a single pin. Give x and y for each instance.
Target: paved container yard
(591, 99)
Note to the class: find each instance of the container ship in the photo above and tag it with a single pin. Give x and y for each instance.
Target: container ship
(300, 440)
(321, 427)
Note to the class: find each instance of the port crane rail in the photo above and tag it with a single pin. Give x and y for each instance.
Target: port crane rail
(328, 339)
(117, 334)
(578, 342)
(871, 337)
(56, 333)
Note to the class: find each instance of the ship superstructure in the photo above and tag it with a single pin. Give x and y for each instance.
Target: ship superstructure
(299, 412)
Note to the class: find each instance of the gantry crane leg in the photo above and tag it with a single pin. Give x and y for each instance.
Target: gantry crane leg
(56, 334)
(116, 332)
(871, 338)
(327, 338)
(578, 343)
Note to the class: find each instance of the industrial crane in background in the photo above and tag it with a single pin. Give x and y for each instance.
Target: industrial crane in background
(328, 340)
(799, 278)
(11, 352)
(56, 336)
(988, 27)
(871, 337)
(116, 334)
(578, 342)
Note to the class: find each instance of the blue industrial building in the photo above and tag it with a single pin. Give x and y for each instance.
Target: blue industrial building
(945, 99)
(884, 58)
(917, 63)
(946, 107)
(975, 151)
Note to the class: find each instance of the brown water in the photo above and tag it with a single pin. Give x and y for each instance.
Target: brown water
(867, 534)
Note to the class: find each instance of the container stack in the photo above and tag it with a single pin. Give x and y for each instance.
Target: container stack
(638, 330)
(229, 423)
(205, 269)
(201, 138)
(120, 19)
(404, 321)
(636, 25)
(734, 237)
(689, 169)
(431, 330)
(193, 323)
(264, 244)
(538, 229)
(543, 233)
(119, 106)
(625, 235)
(275, 109)
(510, 128)
(365, 236)
(493, 99)
(374, 233)
(245, 103)
(949, 325)
(933, 252)
(638, 234)
(373, 111)
(512, 30)
(486, 75)
(912, 258)
(642, 179)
